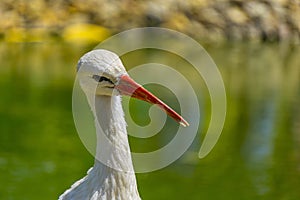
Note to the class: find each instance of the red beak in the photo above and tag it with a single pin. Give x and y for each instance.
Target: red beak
(129, 87)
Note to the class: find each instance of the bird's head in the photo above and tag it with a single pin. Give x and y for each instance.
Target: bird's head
(101, 72)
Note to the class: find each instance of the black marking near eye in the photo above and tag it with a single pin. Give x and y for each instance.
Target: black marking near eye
(101, 78)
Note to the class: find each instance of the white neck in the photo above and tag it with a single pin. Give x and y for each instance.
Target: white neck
(112, 142)
(114, 178)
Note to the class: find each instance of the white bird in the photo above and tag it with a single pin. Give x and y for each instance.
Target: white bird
(104, 79)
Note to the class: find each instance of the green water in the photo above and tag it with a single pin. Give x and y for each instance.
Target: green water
(256, 157)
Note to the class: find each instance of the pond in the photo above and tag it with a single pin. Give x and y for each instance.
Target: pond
(256, 157)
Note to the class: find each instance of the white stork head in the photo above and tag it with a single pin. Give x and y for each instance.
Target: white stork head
(101, 72)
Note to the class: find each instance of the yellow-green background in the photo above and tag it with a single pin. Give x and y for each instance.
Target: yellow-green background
(41, 155)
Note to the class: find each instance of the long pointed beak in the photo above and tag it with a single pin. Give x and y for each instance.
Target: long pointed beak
(127, 86)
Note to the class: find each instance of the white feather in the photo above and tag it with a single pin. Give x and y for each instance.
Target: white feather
(104, 182)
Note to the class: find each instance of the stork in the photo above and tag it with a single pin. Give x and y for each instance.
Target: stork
(104, 80)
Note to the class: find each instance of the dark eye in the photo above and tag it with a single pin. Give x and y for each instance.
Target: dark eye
(101, 78)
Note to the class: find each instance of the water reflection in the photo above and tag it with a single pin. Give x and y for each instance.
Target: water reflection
(259, 142)
(267, 91)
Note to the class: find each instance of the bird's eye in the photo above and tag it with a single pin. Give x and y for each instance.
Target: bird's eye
(101, 78)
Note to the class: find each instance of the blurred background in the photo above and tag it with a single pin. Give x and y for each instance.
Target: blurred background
(254, 43)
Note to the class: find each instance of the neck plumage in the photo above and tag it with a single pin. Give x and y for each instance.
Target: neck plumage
(112, 140)
(112, 176)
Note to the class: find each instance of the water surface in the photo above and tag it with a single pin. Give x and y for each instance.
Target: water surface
(257, 155)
